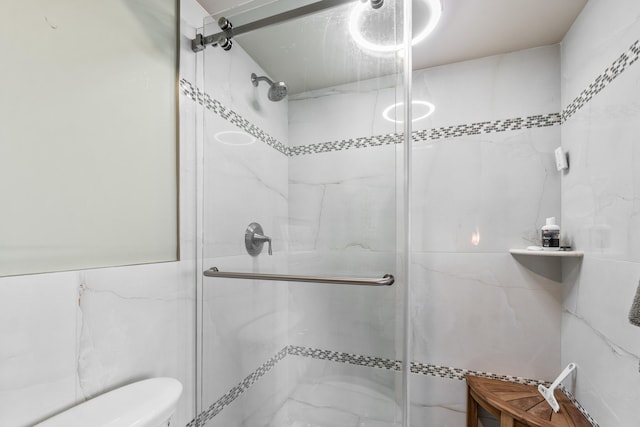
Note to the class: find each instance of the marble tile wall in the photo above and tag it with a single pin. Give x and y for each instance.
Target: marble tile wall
(476, 311)
(598, 211)
(327, 393)
(343, 222)
(517, 160)
(70, 336)
(489, 169)
(39, 352)
(497, 184)
(600, 195)
(244, 324)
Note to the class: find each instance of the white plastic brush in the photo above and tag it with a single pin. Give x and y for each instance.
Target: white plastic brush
(547, 393)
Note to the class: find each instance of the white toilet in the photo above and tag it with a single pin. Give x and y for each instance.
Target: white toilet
(148, 403)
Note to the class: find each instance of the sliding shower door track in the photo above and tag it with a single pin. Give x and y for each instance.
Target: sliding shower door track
(228, 31)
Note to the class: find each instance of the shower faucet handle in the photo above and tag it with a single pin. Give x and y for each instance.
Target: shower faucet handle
(260, 238)
(254, 239)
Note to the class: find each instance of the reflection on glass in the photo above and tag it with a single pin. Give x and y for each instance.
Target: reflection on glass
(234, 137)
(420, 110)
(368, 26)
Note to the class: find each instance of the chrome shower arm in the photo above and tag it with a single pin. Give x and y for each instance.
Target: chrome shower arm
(255, 79)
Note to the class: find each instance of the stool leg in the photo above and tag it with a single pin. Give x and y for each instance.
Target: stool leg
(472, 410)
(506, 420)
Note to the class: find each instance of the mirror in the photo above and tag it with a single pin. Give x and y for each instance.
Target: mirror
(88, 163)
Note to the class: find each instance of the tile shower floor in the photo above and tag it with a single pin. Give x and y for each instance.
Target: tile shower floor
(338, 403)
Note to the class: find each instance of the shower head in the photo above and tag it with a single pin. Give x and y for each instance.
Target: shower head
(277, 90)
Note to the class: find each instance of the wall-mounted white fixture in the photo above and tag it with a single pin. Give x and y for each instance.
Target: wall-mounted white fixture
(421, 110)
(561, 159)
(234, 137)
(359, 15)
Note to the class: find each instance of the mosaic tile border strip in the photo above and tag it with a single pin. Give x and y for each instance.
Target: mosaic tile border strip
(396, 365)
(236, 391)
(425, 369)
(231, 116)
(459, 374)
(346, 144)
(352, 359)
(365, 361)
(623, 62)
(478, 128)
(578, 405)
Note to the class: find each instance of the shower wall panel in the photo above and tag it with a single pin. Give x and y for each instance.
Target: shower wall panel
(600, 209)
(343, 221)
(487, 186)
(70, 336)
(352, 110)
(484, 180)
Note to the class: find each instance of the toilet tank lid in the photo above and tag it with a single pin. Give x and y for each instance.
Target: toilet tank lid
(139, 404)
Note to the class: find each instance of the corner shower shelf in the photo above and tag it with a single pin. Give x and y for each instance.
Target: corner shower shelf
(553, 254)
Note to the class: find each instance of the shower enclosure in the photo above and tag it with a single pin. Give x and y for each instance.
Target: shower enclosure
(303, 175)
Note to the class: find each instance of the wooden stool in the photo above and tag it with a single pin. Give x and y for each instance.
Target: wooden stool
(518, 405)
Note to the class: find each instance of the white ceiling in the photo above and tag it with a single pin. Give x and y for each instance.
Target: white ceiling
(317, 51)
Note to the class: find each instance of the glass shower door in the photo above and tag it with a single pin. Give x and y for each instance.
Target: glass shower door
(319, 168)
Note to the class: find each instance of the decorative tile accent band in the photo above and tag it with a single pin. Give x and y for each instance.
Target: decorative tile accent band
(577, 404)
(396, 365)
(346, 144)
(479, 128)
(236, 391)
(366, 361)
(231, 116)
(365, 142)
(459, 374)
(617, 67)
(614, 70)
(352, 359)
(424, 369)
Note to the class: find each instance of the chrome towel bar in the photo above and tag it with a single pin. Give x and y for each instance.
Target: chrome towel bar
(386, 280)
